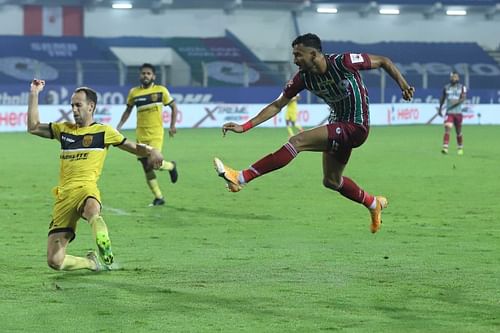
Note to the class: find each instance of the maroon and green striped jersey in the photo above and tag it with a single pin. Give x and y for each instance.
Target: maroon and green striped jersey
(341, 87)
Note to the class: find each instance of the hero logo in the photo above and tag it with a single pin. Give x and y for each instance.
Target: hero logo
(166, 116)
(402, 114)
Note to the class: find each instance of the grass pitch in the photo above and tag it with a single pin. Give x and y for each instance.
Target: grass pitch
(283, 255)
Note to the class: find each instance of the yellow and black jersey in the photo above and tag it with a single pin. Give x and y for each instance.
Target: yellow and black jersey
(83, 151)
(149, 103)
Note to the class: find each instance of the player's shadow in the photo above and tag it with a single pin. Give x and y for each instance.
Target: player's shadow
(162, 298)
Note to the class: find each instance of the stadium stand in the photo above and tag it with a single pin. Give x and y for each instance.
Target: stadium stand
(77, 60)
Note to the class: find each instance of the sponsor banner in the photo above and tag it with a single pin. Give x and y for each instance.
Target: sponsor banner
(14, 118)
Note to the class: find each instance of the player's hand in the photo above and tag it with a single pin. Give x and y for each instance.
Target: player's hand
(155, 159)
(37, 85)
(172, 131)
(408, 93)
(233, 127)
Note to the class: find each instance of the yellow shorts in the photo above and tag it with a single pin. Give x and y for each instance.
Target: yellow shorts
(291, 116)
(68, 207)
(151, 137)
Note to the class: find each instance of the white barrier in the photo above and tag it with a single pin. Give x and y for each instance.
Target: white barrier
(13, 118)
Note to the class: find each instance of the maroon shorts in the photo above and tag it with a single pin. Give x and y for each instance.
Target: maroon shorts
(454, 118)
(343, 137)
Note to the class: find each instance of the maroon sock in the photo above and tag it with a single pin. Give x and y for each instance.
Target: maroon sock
(350, 190)
(271, 162)
(460, 140)
(446, 139)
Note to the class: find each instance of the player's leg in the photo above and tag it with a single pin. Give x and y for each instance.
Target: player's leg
(62, 231)
(57, 258)
(155, 140)
(315, 139)
(448, 124)
(333, 179)
(170, 166)
(297, 126)
(289, 128)
(91, 211)
(343, 138)
(152, 182)
(458, 129)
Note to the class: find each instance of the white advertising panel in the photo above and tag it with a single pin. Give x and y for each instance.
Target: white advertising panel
(14, 118)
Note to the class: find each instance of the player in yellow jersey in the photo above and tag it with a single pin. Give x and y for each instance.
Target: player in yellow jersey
(84, 145)
(149, 99)
(292, 110)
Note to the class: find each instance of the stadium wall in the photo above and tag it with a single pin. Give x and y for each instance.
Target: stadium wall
(13, 118)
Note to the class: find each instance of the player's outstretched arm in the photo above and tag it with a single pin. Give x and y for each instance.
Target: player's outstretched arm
(407, 91)
(155, 158)
(266, 113)
(33, 125)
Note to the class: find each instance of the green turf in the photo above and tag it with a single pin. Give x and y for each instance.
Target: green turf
(283, 255)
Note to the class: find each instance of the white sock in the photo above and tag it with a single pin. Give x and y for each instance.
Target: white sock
(374, 203)
(241, 179)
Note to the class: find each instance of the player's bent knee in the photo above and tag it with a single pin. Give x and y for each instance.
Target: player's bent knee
(448, 125)
(297, 141)
(331, 184)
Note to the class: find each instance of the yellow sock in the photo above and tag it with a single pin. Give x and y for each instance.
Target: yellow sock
(290, 130)
(99, 227)
(153, 185)
(71, 263)
(167, 166)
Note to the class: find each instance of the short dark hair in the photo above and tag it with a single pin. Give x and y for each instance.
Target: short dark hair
(150, 66)
(90, 94)
(309, 40)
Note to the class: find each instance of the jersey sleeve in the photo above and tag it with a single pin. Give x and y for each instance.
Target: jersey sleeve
(464, 91)
(294, 86)
(356, 61)
(130, 97)
(55, 130)
(113, 137)
(167, 98)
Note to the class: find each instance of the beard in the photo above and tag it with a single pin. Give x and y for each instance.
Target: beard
(146, 82)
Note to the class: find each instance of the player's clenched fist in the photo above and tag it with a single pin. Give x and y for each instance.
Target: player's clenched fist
(37, 85)
(408, 93)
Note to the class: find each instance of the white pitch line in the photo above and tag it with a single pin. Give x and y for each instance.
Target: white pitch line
(117, 211)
